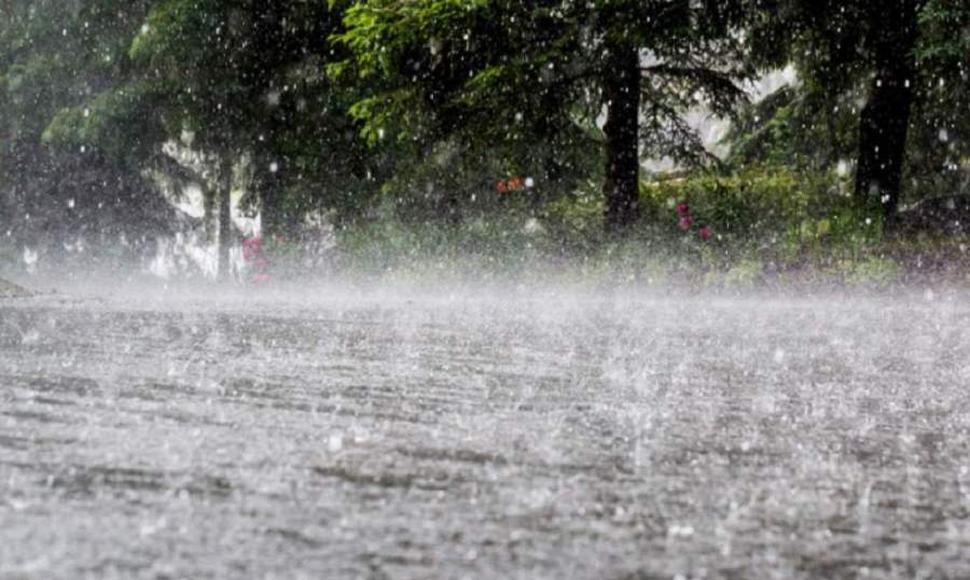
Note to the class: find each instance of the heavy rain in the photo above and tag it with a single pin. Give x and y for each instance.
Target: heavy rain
(481, 289)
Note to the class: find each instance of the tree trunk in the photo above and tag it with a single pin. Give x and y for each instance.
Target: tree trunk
(273, 219)
(225, 216)
(622, 89)
(209, 196)
(884, 121)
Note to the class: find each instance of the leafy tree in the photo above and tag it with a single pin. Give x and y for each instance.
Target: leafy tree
(531, 82)
(794, 126)
(55, 55)
(905, 60)
(939, 143)
(239, 80)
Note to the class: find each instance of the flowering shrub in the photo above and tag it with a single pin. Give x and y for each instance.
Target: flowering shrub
(755, 202)
(686, 221)
(252, 247)
(256, 262)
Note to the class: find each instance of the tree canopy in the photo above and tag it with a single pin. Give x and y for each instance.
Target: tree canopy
(881, 84)
(347, 107)
(529, 83)
(56, 55)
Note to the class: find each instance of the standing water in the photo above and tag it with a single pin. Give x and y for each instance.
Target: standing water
(561, 434)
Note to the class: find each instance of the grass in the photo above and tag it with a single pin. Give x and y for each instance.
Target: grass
(512, 249)
(771, 228)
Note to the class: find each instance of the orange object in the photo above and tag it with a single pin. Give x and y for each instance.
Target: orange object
(509, 185)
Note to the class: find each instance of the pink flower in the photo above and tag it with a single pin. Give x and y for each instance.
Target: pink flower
(256, 260)
(683, 210)
(705, 232)
(252, 247)
(686, 222)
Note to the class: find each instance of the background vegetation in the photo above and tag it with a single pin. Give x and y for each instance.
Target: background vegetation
(493, 135)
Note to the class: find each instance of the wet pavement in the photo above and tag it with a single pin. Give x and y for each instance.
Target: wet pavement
(483, 435)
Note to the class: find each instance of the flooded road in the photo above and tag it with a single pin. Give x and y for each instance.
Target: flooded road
(552, 435)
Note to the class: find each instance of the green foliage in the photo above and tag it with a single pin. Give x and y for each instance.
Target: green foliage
(500, 245)
(745, 274)
(520, 85)
(109, 122)
(765, 220)
(248, 80)
(434, 70)
(229, 70)
(794, 127)
(576, 219)
(381, 111)
(53, 58)
(940, 141)
(750, 204)
(873, 271)
(833, 46)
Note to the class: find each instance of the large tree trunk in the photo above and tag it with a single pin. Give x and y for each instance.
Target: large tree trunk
(884, 121)
(268, 182)
(225, 215)
(622, 88)
(209, 195)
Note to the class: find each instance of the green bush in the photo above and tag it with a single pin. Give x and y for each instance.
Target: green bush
(770, 225)
(873, 271)
(506, 243)
(774, 213)
(576, 221)
(756, 202)
(745, 274)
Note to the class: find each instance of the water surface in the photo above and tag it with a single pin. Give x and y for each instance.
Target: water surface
(519, 434)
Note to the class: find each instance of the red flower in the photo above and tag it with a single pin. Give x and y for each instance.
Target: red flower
(705, 232)
(683, 210)
(252, 247)
(256, 260)
(686, 222)
(501, 187)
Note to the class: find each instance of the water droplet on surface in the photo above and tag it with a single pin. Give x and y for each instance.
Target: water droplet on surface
(680, 531)
(335, 443)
